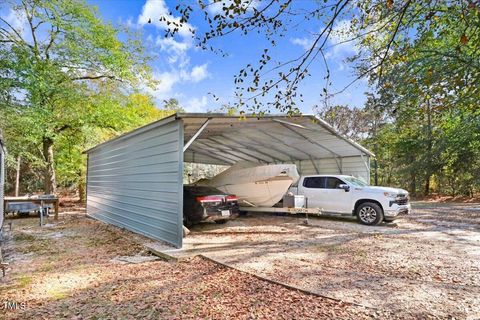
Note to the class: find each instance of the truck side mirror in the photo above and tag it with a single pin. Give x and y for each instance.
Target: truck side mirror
(345, 187)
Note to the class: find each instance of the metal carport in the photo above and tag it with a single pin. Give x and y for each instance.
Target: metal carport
(135, 181)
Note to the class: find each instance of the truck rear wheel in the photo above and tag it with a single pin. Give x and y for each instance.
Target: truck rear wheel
(369, 213)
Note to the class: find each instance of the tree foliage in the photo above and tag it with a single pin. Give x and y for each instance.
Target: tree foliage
(66, 82)
(434, 33)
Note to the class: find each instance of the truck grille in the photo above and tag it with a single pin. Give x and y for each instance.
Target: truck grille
(402, 200)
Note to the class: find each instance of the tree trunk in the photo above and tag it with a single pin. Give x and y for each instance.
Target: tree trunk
(429, 148)
(413, 184)
(81, 191)
(50, 182)
(17, 178)
(427, 185)
(81, 186)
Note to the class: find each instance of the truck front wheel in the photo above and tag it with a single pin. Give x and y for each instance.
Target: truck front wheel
(369, 213)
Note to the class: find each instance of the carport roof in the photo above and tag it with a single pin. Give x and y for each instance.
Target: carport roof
(219, 138)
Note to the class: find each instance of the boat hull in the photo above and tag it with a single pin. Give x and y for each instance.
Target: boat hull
(264, 193)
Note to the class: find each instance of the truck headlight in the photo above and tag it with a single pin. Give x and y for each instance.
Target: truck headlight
(390, 195)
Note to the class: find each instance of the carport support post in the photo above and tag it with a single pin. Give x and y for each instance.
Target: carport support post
(365, 163)
(195, 136)
(315, 166)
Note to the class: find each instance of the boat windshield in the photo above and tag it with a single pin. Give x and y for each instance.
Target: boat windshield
(356, 182)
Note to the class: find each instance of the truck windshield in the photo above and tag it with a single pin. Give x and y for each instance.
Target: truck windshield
(356, 182)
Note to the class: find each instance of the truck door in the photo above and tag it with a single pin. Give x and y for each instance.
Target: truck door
(314, 191)
(336, 199)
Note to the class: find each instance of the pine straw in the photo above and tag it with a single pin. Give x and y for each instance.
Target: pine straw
(66, 272)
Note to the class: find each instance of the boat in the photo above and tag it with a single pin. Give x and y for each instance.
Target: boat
(254, 184)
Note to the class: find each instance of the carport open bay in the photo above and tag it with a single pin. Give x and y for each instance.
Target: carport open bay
(426, 264)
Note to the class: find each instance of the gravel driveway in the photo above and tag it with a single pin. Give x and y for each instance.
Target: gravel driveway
(425, 265)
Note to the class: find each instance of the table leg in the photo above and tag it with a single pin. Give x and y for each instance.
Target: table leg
(56, 210)
(41, 213)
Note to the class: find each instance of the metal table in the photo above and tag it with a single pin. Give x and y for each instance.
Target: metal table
(40, 201)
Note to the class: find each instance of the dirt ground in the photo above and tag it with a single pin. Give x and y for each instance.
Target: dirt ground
(425, 265)
(77, 269)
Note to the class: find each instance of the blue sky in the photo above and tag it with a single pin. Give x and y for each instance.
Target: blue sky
(189, 74)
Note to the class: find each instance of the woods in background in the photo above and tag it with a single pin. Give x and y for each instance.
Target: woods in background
(69, 80)
(67, 83)
(424, 149)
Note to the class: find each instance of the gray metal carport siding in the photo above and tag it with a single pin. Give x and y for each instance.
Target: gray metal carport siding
(136, 180)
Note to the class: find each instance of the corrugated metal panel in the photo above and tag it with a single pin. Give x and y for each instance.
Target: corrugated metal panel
(325, 166)
(136, 182)
(356, 166)
(353, 166)
(267, 139)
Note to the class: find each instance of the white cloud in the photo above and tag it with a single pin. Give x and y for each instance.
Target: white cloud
(170, 44)
(339, 38)
(153, 10)
(177, 46)
(305, 43)
(338, 46)
(168, 79)
(17, 21)
(175, 49)
(129, 23)
(199, 73)
(196, 104)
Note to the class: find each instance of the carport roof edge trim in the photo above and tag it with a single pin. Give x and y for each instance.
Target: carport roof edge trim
(177, 116)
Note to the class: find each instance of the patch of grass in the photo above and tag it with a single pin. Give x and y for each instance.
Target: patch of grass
(24, 281)
(23, 237)
(414, 271)
(332, 248)
(56, 294)
(102, 241)
(94, 242)
(38, 247)
(361, 254)
(28, 243)
(46, 268)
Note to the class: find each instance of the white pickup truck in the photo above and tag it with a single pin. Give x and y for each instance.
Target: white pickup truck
(347, 195)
